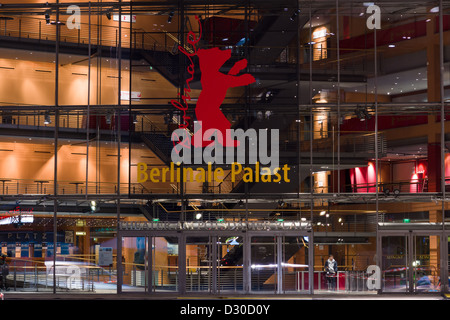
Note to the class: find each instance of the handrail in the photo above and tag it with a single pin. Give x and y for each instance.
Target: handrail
(38, 29)
(226, 186)
(146, 119)
(35, 186)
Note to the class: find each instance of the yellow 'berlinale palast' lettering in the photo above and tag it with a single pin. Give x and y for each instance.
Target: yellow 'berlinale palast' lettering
(174, 173)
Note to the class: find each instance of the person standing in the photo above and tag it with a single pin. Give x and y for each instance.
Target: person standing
(331, 272)
(4, 271)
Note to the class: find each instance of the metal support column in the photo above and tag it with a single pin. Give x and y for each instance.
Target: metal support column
(378, 260)
(119, 239)
(247, 264)
(410, 253)
(182, 264)
(444, 253)
(279, 257)
(55, 174)
(311, 262)
(150, 264)
(214, 265)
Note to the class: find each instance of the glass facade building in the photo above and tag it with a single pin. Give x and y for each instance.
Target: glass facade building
(118, 172)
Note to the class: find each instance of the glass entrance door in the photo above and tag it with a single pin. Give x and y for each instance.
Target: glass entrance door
(394, 264)
(425, 263)
(164, 264)
(295, 255)
(280, 264)
(134, 264)
(230, 263)
(410, 262)
(199, 264)
(264, 266)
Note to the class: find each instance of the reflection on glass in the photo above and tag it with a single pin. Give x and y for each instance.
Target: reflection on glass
(198, 264)
(353, 256)
(164, 264)
(134, 264)
(230, 256)
(426, 264)
(264, 264)
(295, 264)
(395, 264)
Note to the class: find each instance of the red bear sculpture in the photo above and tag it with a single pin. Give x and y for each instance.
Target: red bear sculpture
(214, 89)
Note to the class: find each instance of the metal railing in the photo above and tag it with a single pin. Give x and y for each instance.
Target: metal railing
(38, 276)
(11, 186)
(37, 28)
(227, 185)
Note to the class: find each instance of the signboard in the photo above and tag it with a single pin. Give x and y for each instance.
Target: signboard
(30, 236)
(105, 256)
(68, 237)
(135, 95)
(215, 225)
(125, 18)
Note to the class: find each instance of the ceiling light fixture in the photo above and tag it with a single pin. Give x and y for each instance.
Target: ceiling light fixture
(169, 20)
(47, 17)
(294, 15)
(47, 119)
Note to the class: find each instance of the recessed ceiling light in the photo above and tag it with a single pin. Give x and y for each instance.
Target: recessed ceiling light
(434, 10)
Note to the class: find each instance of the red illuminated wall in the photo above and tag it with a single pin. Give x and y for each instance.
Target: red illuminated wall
(418, 176)
(410, 177)
(363, 179)
(384, 123)
(388, 36)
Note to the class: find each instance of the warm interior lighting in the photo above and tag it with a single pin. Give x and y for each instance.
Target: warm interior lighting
(320, 43)
(93, 206)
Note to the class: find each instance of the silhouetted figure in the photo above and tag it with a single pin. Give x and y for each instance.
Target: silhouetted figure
(4, 271)
(331, 272)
